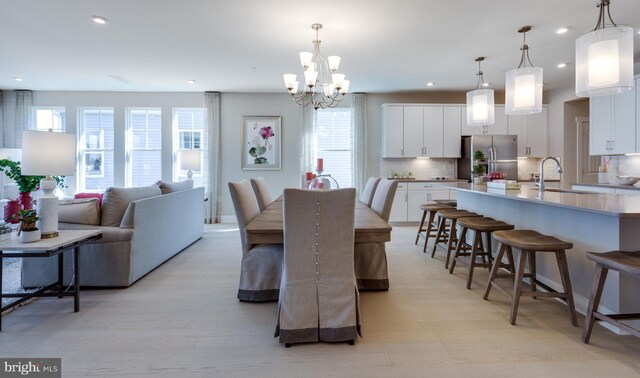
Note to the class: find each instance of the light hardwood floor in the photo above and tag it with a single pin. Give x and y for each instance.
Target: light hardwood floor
(183, 320)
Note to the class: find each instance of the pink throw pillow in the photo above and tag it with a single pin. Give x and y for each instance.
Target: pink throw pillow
(90, 195)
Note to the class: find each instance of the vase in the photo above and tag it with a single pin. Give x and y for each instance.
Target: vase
(29, 236)
(10, 210)
(26, 200)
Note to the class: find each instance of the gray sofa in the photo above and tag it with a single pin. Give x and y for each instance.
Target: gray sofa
(152, 228)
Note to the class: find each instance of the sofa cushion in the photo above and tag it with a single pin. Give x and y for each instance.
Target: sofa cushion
(109, 234)
(79, 211)
(116, 200)
(171, 187)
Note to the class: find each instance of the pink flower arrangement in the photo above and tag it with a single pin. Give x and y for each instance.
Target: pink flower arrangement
(266, 132)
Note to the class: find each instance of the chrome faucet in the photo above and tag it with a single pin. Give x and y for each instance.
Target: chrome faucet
(541, 183)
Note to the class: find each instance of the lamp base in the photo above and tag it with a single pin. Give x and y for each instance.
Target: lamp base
(49, 235)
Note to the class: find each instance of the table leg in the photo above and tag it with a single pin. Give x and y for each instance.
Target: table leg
(60, 276)
(1, 262)
(76, 283)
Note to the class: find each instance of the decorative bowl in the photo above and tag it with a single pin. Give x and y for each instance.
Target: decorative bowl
(627, 180)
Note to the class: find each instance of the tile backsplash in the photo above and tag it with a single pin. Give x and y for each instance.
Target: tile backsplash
(422, 169)
(528, 166)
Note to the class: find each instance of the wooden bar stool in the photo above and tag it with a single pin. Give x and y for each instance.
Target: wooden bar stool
(479, 226)
(451, 237)
(429, 229)
(452, 203)
(530, 242)
(622, 262)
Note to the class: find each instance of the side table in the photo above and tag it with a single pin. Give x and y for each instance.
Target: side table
(66, 241)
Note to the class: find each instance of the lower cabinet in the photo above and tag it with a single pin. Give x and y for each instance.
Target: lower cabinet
(409, 197)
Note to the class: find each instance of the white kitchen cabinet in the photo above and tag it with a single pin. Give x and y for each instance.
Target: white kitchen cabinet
(637, 114)
(452, 131)
(392, 128)
(612, 128)
(420, 193)
(399, 206)
(532, 130)
(499, 127)
(413, 131)
(433, 131)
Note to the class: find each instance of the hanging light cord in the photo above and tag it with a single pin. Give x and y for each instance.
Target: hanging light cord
(525, 47)
(601, 17)
(480, 73)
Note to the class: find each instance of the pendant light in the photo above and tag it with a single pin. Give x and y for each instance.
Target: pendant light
(480, 103)
(604, 58)
(524, 84)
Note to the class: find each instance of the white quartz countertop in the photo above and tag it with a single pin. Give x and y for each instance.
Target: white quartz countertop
(612, 186)
(430, 180)
(601, 203)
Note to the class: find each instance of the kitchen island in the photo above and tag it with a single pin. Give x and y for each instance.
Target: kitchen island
(591, 221)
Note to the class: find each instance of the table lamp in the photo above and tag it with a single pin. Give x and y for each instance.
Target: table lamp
(190, 160)
(48, 153)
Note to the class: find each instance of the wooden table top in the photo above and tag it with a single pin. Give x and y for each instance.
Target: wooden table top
(267, 228)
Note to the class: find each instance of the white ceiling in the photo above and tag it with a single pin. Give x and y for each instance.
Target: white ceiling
(246, 45)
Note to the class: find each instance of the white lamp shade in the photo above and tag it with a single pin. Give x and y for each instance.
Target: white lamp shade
(604, 62)
(334, 62)
(305, 58)
(190, 160)
(338, 79)
(524, 91)
(345, 86)
(328, 89)
(47, 153)
(480, 107)
(310, 78)
(289, 80)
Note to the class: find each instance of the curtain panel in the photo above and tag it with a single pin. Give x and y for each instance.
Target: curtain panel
(359, 159)
(308, 152)
(212, 103)
(23, 121)
(1, 121)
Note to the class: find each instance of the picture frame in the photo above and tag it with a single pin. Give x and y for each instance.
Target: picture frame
(94, 164)
(261, 143)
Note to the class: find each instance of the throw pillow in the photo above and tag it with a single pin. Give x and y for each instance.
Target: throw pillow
(89, 195)
(172, 187)
(116, 200)
(80, 211)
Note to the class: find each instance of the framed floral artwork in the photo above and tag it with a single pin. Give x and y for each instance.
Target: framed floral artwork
(261, 143)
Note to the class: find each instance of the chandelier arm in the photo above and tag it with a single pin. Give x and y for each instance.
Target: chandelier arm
(610, 19)
(531, 64)
(524, 48)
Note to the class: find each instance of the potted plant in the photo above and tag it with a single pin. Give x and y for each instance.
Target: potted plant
(26, 184)
(478, 167)
(27, 230)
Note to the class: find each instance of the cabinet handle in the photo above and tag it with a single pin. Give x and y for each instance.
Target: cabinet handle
(613, 145)
(402, 150)
(406, 197)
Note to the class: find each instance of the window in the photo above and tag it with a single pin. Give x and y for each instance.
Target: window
(95, 149)
(334, 143)
(189, 132)
(49, 118)
(144, 146)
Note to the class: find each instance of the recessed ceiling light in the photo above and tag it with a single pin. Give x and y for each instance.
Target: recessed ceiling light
(191, 81)
(18, 78)
(561, 65)
(431, 84)
(99, 20)
(562, 30)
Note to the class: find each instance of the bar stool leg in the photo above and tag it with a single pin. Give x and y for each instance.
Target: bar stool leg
(463, 235)
(566, 283)
(432, 215)
(532, 271)
(477, 241)
(441, 227)
(424, 214)
(512, 261)
(453, 237)
(599, 277)
(494, 269)
(517, 287)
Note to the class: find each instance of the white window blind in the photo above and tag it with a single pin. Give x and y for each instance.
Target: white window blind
(49, 118)
(334, 143)
(190, 133)
(95, 149)
(144, 146)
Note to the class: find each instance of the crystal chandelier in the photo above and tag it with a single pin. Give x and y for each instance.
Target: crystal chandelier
(323, 86)
(524, 84)
(480, 102)
(604, 58)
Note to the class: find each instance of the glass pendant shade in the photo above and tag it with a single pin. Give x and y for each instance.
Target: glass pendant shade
(524, 91)
(480, 107)
(604, 62)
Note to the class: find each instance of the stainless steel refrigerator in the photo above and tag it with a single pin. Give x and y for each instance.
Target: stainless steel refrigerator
(500, 152)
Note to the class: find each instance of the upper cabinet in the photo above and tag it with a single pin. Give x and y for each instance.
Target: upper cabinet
(532, 132)
(498, 128)
(421, 131)
(612, 128)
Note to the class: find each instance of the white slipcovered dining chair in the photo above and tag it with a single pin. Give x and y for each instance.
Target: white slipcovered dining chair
(318, 294)
(369, 189)
(261, 263)
(371, 258)
(263, 195)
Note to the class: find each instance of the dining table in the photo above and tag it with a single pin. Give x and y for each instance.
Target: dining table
(370, 230)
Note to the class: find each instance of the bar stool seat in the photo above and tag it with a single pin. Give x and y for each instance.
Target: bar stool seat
(450, 237)
(478, 225)
(428, 229)
(452, 203)
(619, 261)
(530, 242)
